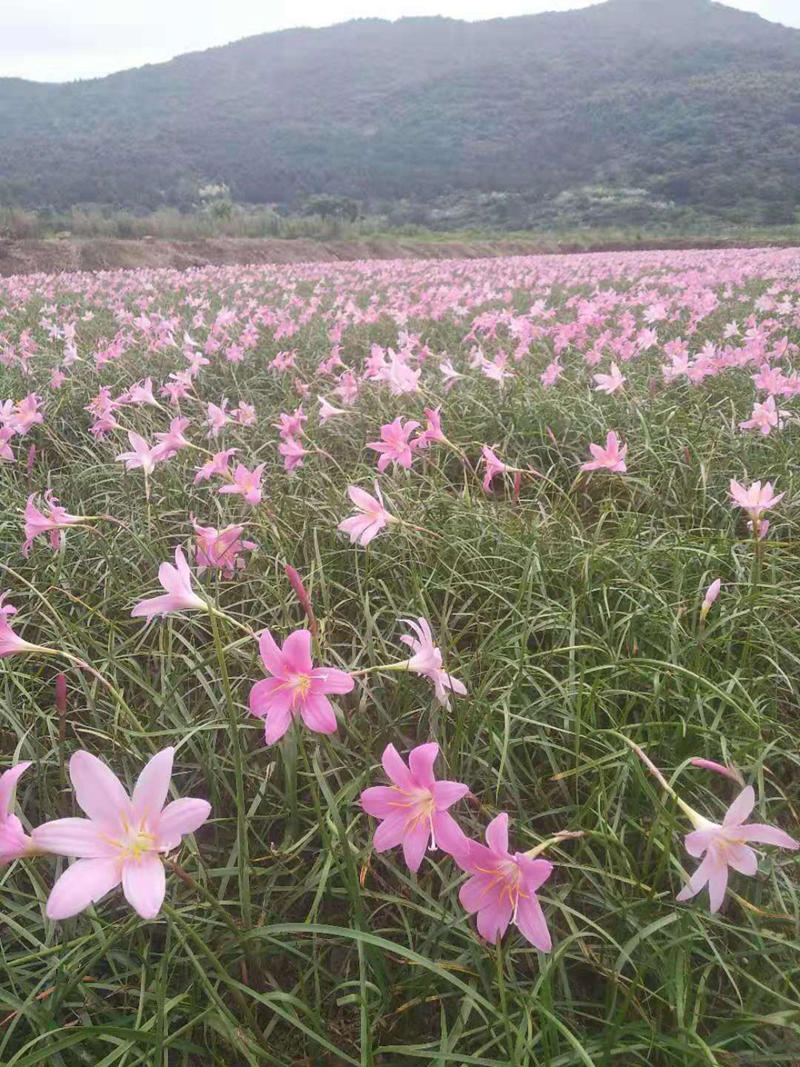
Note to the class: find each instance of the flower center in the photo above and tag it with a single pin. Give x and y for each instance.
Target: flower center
(301, 684)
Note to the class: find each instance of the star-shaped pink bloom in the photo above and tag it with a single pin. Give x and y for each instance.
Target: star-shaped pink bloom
(610, 458)
(54, 524)
(141, 454)
(177, 581)
(609, 383)
(14, 842)
(394, 445)
(427, 661)
(247, 483)
(371, 516)
(413, 809)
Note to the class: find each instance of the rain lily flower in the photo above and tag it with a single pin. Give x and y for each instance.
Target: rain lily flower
(503, 887)
(755, 501)
(247, 483)
(171, 442)
(371, 516)
(433, 430)
(711, 595)
(494, 466)
(413, 809)
(394, 445)
(141, 454)
(765, 417)
(427, 661)
(290, 426)
(725, 845)
(296, 687)
(177, 581)
(327, 410)
(220, 549)
(216, 418)
(140, 393)
(218, 464)
(609, 383)
(123, 838)
(54, 523)
(610, 458)
(14, 842)
(292, 452)
(11, 643)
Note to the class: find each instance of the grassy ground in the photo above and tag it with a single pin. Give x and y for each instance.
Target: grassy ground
(572, 617)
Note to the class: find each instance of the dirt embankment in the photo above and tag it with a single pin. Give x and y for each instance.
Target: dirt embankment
(54, 256)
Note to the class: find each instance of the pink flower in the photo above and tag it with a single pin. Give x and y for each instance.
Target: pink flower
(610, 458)
(503, 887)
(755, 501)
(290, 426)
(370, 519)
(247, 483)
(427, 661)
(216, 418)
(218, 464)
(609, 383)
(170, 443)
(292, 452)
(711, 595)
(433, 430)
(725, 769)
(494, 466)
(220, 549)
(141, 393)
(11, 643)
(14, 842)
(394, 446)
(413, 809)
(123, 838)
(552, 373)
(327, 410)
(725, 845)
(449, 373)
(141, 454)
(54, 523)
(765, 417)
(179, 596)
(245, 414)
(296, 687)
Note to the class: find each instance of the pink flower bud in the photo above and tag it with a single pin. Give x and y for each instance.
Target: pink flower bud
(296, 583)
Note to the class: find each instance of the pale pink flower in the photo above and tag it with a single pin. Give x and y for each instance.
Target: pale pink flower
(141, 454)
(503, 887)
(290, 426)
(609, 383)
(245, 414)
(370, 519)
(217, 465)
(552, 373)
(296, 687)
(765, 417)
(11, 643)
(246, 483)
(216, 418)
(171, 442)
(14, 842)
(433, 429)
(725, 845)
(494, 466)
(26, 414)
(413, 809)
(610, 458)
(394, 446)
(177, 581)
(327, 410)
(141, 393)
(427, 661)
(449, 373)
(755, 500)
(292, 452)
(711, 595)
(54, 523)
(122, 840)
(57, 378)
(220, 549)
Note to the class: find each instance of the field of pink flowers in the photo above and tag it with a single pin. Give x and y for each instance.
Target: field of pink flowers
(400, 663)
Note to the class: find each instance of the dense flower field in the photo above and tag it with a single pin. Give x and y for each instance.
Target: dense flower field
(400, 663)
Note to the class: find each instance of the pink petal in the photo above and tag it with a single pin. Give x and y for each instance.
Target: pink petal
(740, 808)
(697, 842)
(276, 725)
(144, 884)
(420, 761)
(395, 767)
(390, 832)
(415, 842)
(180, 817)
(271, 654)
(317, 713)
(532, 923)
(8, 779)
(152, 786)
(768, 835)
(717, 884)
(331, 680)
(82, 884)
(535, 872)
(381, 801)
(297, 652)
(474, 893)
(493, 919)
(445, 793)
(742, 859)
(449, 835)
(361, 499)
(497, 833)
(81, 838)
(98, 790)
(270, 695)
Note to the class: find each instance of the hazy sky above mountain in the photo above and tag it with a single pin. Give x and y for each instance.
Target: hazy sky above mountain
(57, 40)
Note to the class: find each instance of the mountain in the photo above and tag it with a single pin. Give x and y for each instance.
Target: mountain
(685, 101)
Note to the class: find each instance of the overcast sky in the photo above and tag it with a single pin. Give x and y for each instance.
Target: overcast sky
(57, 40)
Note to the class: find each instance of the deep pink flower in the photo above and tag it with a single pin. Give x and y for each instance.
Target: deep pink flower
(503, 887)
(296, 687)
(220, 549)
(54, 523)
(247, 483)
(290, 426)
(394, 445)
(725, 845)
(610, 458)
(427, 661)
(494, 466)
(218, 464)
(14, 842)
(414, 808)
(292, 452)
(179, 595)
(370, 519)
(123, 838)
(725, 769)
(433, 430)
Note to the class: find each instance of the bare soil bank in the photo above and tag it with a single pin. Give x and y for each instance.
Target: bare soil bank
(54, 256)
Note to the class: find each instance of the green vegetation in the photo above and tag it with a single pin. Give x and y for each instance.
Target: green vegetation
(632, 112)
